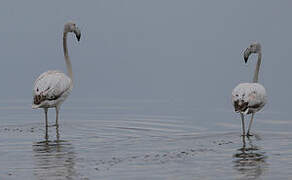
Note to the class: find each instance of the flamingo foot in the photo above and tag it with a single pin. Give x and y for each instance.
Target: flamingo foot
(54, 125)
(249, 134)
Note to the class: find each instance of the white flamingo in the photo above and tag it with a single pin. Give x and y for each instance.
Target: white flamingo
(52, 87)
(249, 98)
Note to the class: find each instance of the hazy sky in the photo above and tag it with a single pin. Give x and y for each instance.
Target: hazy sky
(189, 51)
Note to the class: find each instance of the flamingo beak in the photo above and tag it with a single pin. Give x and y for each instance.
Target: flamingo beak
(77, 33)
(246, 54)
(78, 37)
(245, 59)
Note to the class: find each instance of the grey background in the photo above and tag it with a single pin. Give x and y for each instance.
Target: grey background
(187, 51)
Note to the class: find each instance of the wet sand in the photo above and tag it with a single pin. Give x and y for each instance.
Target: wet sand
(141, 139)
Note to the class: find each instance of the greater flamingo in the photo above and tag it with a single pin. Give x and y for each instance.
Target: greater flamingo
(249, 98)
(52, 87)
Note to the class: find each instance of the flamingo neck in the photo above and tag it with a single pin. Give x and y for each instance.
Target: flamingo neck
(66, 56)
(256, 72)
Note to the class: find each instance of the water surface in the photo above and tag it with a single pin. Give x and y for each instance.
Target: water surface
(141, 139)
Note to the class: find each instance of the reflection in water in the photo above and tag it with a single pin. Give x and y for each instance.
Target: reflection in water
(249, 160)
(54, 159)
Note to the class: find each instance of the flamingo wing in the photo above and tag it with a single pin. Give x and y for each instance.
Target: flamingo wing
(248, 96)
(50, 86)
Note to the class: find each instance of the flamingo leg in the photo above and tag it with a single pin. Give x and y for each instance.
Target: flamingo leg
(57, 134)
(249, 126)
(243, 144)
(46, 119)
(243, 126)
(57, 117)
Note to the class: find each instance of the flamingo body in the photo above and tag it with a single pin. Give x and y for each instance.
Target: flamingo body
(249, 98)
(51, 88)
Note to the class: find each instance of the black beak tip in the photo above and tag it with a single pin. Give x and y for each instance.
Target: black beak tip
(78, 37)
(245, 60)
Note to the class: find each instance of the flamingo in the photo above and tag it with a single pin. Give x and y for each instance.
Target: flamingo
(51, 88)
(249, 98)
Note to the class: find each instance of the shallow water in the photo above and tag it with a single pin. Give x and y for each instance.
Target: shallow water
(141, 139)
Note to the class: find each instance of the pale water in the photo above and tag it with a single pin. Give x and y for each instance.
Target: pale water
(141, 139)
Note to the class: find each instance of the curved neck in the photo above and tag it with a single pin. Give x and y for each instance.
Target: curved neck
(256, 72)
(66, 56)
